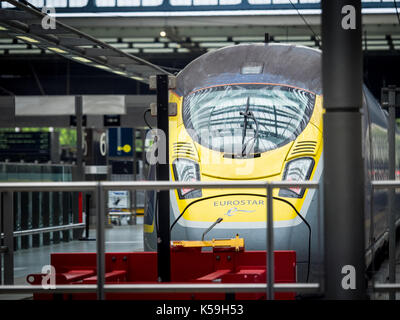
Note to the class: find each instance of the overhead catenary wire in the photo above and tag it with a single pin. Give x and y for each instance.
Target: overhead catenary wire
(305, 22)
(397, 10)
(145, 119)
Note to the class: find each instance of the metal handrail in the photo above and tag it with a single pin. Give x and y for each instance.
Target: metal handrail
(165, 288)
(32, 164)
(30, 232)
(47, 186)
(147, 185)
(387, 287)
(385, 184)
(99, 187)
(48, 229)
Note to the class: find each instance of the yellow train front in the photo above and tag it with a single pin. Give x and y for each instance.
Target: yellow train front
(247, 112)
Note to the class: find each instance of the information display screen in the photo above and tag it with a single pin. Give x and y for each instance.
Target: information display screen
(27, 146)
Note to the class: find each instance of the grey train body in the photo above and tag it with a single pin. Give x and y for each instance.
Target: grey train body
(307, 75)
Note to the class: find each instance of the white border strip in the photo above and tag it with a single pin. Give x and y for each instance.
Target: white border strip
(211, 13)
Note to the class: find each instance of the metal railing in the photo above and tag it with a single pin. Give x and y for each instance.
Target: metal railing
(62, 227)
(99, 189)
(391, 287)
(166, 288)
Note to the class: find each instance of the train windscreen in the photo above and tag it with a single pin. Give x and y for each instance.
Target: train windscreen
(247, 118)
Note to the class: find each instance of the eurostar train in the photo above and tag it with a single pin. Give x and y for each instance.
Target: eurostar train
(254, 112)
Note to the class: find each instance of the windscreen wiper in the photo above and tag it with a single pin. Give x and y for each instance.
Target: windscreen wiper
(248, 114)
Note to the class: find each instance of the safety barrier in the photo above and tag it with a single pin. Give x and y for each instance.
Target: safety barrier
(391, 287)
(36, 210)
(99, 188)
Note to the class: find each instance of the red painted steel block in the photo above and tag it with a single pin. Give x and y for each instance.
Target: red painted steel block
(189, 265)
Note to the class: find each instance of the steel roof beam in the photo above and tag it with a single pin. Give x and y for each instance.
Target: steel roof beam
(66, 41)
(75, 41)
(38, 29)
(94, 52)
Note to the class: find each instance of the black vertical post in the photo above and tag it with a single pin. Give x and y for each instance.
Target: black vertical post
(76, 233)
(143, 137)
(55, 147)
(87, 216)
(66, 209)
(79, 137)
(46, 216)
(266, 38)
(35, 218)
(17, 218)
(163, 237)
(79, 161)
(391, 99)
(56, 215)
(343, 163)
(1, 238)
(392, 194)
(8, 226)
(24, 218)
(100, 242)
(134, 192)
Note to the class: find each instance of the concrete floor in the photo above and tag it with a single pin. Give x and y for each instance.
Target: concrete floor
(382, 276)
(124, 238)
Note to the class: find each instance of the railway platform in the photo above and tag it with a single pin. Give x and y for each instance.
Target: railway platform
(124, 238)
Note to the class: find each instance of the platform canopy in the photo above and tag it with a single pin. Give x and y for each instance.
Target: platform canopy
(32, 26)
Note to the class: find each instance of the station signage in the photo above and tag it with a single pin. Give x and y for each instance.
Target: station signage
(118, 200)
(120, 142)
(197, 7)
(27, 146)
(95, 146)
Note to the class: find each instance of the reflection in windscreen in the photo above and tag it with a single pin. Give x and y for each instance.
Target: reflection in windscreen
(215, 117)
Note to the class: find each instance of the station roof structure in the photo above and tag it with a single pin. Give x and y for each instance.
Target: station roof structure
(153, 27)
(136, 38)
(25, 24)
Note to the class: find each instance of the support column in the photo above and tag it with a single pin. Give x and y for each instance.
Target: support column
(79, 137)
(66, 210)
(1, 238)
(35, 218)
(143, 137)
(80, 173)
(100, 242)
(46, 216)
(24, 203)
(343, 162)
(17, 218)
(163, 236)
(392, 195)
(134, 192)
(390, 98)
(8, 225)
(55, 211)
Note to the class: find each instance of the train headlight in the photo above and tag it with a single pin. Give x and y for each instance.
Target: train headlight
(297, 170)
(187, 170)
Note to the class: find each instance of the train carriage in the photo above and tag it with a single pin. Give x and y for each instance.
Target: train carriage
(254, 112)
